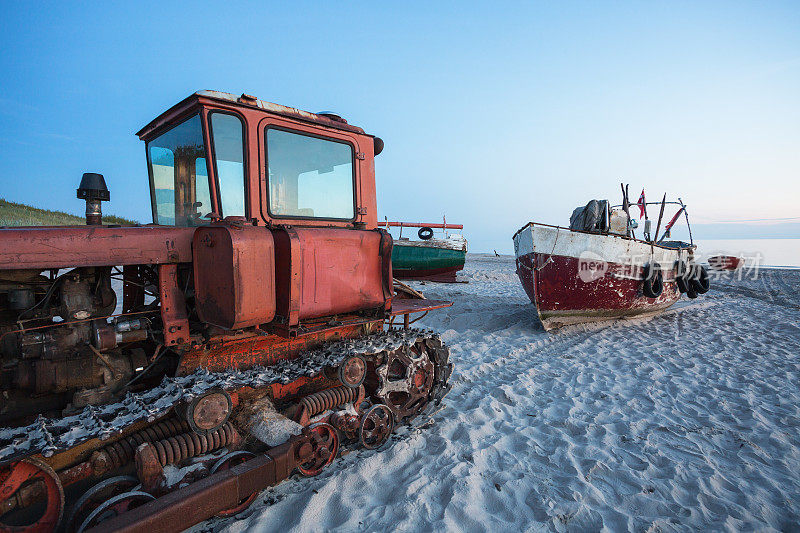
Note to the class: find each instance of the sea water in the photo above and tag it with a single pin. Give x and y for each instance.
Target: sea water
(765, 252)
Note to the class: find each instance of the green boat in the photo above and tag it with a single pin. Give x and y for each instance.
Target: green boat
(428, 258)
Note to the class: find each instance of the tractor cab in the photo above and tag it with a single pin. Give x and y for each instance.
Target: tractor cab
(266, 184)
(217, 156)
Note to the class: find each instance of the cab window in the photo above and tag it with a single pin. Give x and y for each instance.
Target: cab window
(179, 175)
(309, 177)
(227, 138)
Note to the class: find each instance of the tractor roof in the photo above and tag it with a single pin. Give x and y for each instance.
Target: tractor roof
(245, 101)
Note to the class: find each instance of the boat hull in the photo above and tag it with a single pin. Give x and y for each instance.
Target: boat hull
(725, 262)
(575, 277)
(426, 260)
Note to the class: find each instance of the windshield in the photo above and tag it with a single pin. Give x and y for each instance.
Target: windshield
(179, 175)
(309, 177)
(226, 135)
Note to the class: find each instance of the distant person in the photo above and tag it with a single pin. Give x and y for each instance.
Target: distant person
(495, 253)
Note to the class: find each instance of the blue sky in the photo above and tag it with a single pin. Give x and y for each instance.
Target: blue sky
(493, 114)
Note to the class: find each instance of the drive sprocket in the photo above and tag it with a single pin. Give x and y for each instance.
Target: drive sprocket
(410, 377)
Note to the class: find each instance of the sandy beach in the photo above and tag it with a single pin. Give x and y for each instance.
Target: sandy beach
(684, 421)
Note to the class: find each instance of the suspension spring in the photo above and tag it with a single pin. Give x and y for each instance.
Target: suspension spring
(123, 451)
(181, 447)
(321, 401)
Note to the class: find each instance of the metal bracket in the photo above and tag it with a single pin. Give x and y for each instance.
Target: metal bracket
(173, 306)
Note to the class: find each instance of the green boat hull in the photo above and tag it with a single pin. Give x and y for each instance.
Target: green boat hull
(426, 262)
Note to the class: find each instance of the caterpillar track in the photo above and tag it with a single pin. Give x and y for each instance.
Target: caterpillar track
(49, 436)
(406, 372)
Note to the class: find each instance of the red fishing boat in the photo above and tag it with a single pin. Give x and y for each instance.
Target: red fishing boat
(597, 270)
(725, 262)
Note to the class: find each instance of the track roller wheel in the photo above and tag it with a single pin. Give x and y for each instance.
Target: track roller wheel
(226, 463)
(209, 411)
(324, 443)
(96, 496)
(352, 371)
(23, 477)
(115, 506)
(376, 426)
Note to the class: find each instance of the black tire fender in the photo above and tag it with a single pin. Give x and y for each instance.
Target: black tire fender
(680, 276)
(700, 281)
(690, 292)
(653, 283)
(425, 233)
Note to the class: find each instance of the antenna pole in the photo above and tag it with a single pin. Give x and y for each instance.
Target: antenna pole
(626, 206)
(686, 214)
(660, 215)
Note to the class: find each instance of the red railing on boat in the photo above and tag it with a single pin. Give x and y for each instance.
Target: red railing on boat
(422, 225)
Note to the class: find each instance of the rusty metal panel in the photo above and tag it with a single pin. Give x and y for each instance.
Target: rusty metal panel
(202, 499)
(182, 508)
(173, 306)
(328, 271)
(386, 266)
(264, 349)
(76, 246)
(234, 272)
(288, 275)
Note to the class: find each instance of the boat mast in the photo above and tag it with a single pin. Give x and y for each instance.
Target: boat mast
(686, 214)
(660, 215)
(626, 206)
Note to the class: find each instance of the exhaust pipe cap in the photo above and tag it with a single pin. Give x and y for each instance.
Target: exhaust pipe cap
(93, 187)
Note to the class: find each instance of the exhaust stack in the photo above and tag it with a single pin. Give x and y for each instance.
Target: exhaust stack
(93, 189)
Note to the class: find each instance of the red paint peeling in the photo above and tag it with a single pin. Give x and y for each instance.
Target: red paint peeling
(562, 297)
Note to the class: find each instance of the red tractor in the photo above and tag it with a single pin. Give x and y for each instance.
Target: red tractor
(250, 340)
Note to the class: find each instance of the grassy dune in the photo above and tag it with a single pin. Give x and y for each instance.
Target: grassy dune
(14, 214)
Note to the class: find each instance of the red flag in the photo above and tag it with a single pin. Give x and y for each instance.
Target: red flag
(671, 222)
(640, 203)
